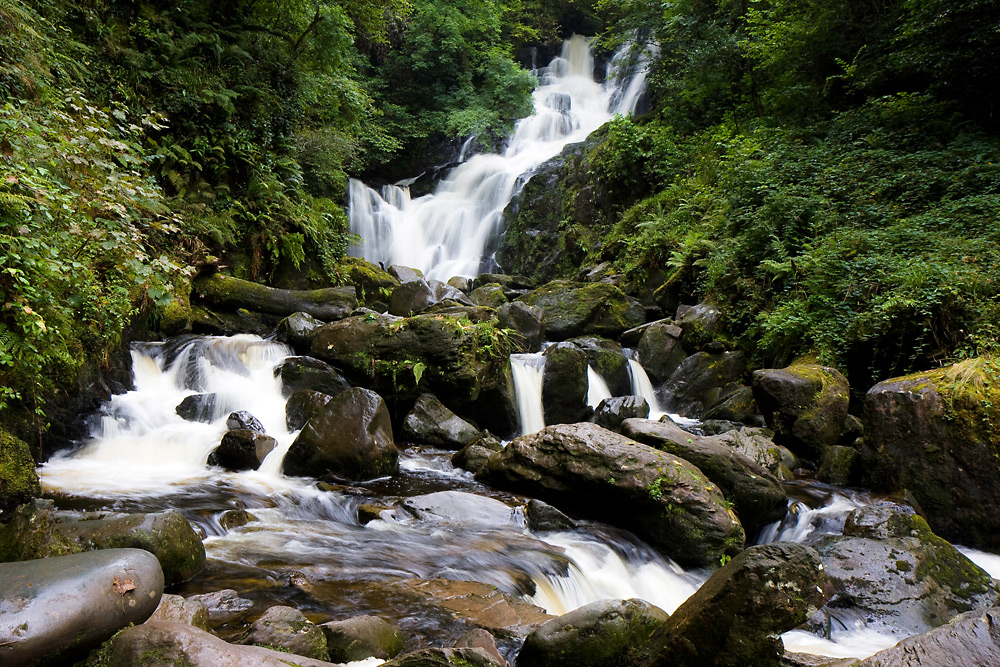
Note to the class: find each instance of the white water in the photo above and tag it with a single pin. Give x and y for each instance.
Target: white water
(597, 388)
(641, 386)
(448, 233)
(527, 371)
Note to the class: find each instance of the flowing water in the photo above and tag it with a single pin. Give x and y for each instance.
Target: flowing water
(451, 231)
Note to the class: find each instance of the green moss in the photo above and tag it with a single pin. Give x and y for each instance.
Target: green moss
(18, 478)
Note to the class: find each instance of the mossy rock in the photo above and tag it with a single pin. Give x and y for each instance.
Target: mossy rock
(579, 309)
(371, 282)
(607, 358)
(177, 315)
(18, 478)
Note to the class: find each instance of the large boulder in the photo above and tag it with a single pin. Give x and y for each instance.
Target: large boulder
(580, 309)
(225, 606)
(371, 282)
(935, 436)
(490, 295)
(597, 473)
(599, 634)
(564, 385)
(527, 321)
(18, 478)
(699, 323)
(176, 609)
(474, 456)
(701, 381)
(37, 531)
(242, 449)
(296, 329)
(228, 293)
(351, 439)
(660, 349)
(891, 566)
(735, 618)
(308, 373)
(67, 604)
(362, 637)
(757, 497)
(288, 629)
(607, 358)
(970, 640)
(302, 406)
(431, 423)
(173, 644)
(805, 405)
(417, 295)
(611, 412)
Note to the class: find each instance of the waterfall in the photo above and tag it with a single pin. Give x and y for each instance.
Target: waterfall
(448, 233)
(641, 386)
(527, 371)
(597, 388)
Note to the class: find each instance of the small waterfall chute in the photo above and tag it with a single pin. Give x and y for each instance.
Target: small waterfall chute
(597, 388)
(527, 370)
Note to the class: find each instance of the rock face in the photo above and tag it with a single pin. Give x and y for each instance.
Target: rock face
(66, 604)
(580, 309)
(660, 350)
(224, 292)
(528, 321)
(18, 478)
(36, 531)
(805, 405)
(289, 629)
(735, 617)
(701, 381)
(564, 385)
(891, 566)
(362, 637)
(307, 373)
(971, 640)
(600, 634)
(935, 435)
(302, 406)
(757, 497)
(173, 644)
(431, 423)
(350, 439)
(598, 473)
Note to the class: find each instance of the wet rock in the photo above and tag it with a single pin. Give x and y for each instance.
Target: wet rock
(970, 639)
(244, 420)
(735, 618)
(841, 466)
(607, 358)
(412, 297)
(505, 280)
(543, 517)
(757, 497)
(36, 531)
(370, 282)
(302, 406)
(928, 434)
(700, 324)
(217, 290)
(67, 604)
(173, 644)
(564, 385)
(351, 439)
(18, 478)
(474, 456)
(461, 283)
(220, 323)
(242, 450)
(296, 329)
(891, 566)
(805, 405)
(405, 274)
(579, 309)
(231, 519)
(176, 609)
(738, 406)
(431, 423)
(459, 507)
(445, 657)
(479, 638)
(225, 606)
(490, 295)
(700, 381)
(198, 408)
(611, 412)
(362, 637)
(756, 445)
(298, 373)
(601, 474)
(528, 321)
(289, 629)
(660, 349)
(599, 634)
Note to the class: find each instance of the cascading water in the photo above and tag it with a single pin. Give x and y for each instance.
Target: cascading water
(447, 233)
(527, 371)
(597, 388)
(641, 386)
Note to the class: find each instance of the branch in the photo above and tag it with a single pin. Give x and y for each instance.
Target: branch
(298, 43)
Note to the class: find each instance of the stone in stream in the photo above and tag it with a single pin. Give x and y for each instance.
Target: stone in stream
(37, 531)
(564, 385)
(702, 381)
(611, 412)
(603, 475)
(63, 605)
(302, 406)
(198, 408)
(362, 637)
(431, 423)
(296, 329)
(479, 638)
(935, 435)
(225, 292)
(889, 565)
(405, 274)
(805, 405)
(660, 350)
(600, 634)
(580, 309)
(528, 321)
(970, 640)
(739, 405)
(459, 507)
(351, 439)
(288, 629)
(172, 644)
(544, 517)
(607, 358)
(735, 618)
(758, 498)
(474, 456)
(241, 419)
(242, 449)
(174, 608)
(225, 606)
(298, 373)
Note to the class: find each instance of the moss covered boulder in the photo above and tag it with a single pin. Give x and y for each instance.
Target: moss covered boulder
(227, 293)
(805, 405)
(288, 629)
(593, 472)
(580, 309)
(362, 637)
(565, 384)
(607, 358)
(371, 283)
(890, 566)
(18, 477)
(702, 381)
(660, 349)
(936, 436)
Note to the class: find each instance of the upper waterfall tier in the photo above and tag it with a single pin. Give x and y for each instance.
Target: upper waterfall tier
(449, 232)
